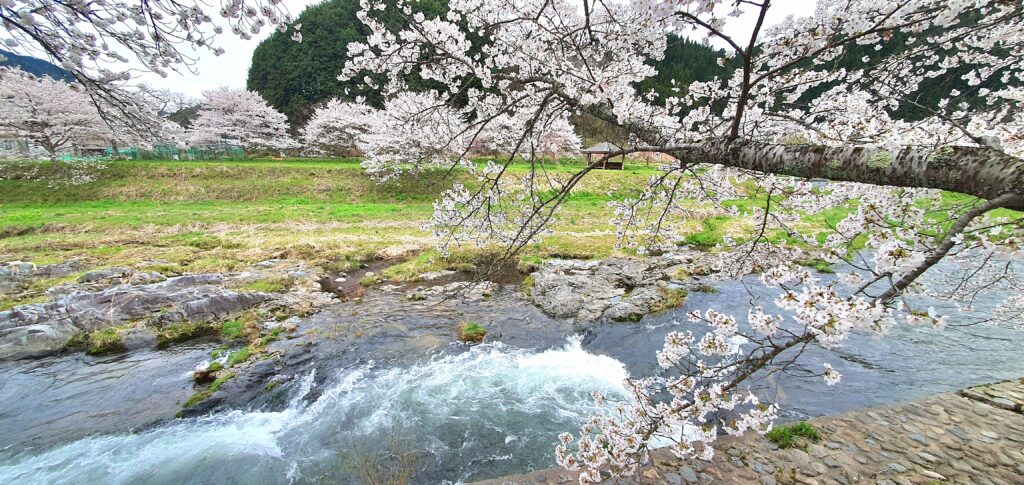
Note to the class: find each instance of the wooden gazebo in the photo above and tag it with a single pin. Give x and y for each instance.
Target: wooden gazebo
(602, 150)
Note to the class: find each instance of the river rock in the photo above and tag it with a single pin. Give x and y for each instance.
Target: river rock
(13, 274)
(613, 289)
(117, 274)
(136, 338)
(464, 290)
(42, 328)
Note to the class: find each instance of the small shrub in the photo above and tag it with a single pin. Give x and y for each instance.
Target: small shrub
(786, 436)
(181, 332)
(232, 330)
(472, 332)
(395, 464)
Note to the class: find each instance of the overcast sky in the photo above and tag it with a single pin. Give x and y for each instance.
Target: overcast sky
(228, 69)
(232, 68)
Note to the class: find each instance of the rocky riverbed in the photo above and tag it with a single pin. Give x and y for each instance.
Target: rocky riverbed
(286, 370)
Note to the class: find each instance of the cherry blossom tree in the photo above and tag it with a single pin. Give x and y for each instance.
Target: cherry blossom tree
(165, 101)
(103, 43)
(241, 117)
(787, 114)
(336, 126)
(51, 114)
(548, 136)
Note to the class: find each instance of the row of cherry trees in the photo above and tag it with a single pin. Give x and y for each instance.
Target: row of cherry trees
(57, 116)
(355, 127)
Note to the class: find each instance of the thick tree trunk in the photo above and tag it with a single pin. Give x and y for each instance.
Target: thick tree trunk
(977, 171)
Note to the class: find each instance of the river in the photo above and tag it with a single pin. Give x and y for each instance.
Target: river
(387, 373)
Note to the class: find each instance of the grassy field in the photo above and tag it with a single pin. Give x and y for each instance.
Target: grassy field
(221, 216)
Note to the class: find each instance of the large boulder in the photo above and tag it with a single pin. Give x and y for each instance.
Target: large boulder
(614, 289)
(42, 328)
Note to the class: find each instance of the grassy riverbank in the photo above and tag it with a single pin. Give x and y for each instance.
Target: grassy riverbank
(221, 216)
(210, 216)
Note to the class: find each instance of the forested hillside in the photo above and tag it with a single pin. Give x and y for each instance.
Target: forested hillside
(293, 77)
(33, 65)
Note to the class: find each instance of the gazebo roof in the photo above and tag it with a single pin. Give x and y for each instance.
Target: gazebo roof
(603, 147)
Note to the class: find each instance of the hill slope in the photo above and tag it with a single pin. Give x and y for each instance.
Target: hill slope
(34, 66)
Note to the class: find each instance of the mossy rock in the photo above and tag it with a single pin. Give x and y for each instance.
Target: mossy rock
(182, 332)
(105, 341)
(472, 332)
(671, 298)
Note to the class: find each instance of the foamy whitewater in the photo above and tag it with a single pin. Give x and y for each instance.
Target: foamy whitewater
(486, 412)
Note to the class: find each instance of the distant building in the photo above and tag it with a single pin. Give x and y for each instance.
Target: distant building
(602, 150)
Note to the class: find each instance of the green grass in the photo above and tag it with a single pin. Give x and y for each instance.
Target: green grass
(269, 285)
(239, 356)
(199, 396)
(820, 265)
(472, 332)
(233, 329)
(99, 342)
(527, 285)
(788, 436)
(529, 263)
(181, 332)
(105, 341)
(671, 298)
(221, 216)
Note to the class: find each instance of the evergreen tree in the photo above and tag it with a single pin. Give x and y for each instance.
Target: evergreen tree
(296, 77)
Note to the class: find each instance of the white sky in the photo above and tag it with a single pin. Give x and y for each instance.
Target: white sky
(228, 69)
(232, 68)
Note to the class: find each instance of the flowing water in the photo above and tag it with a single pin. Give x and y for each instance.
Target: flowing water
(490, 410)
(465, 413)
